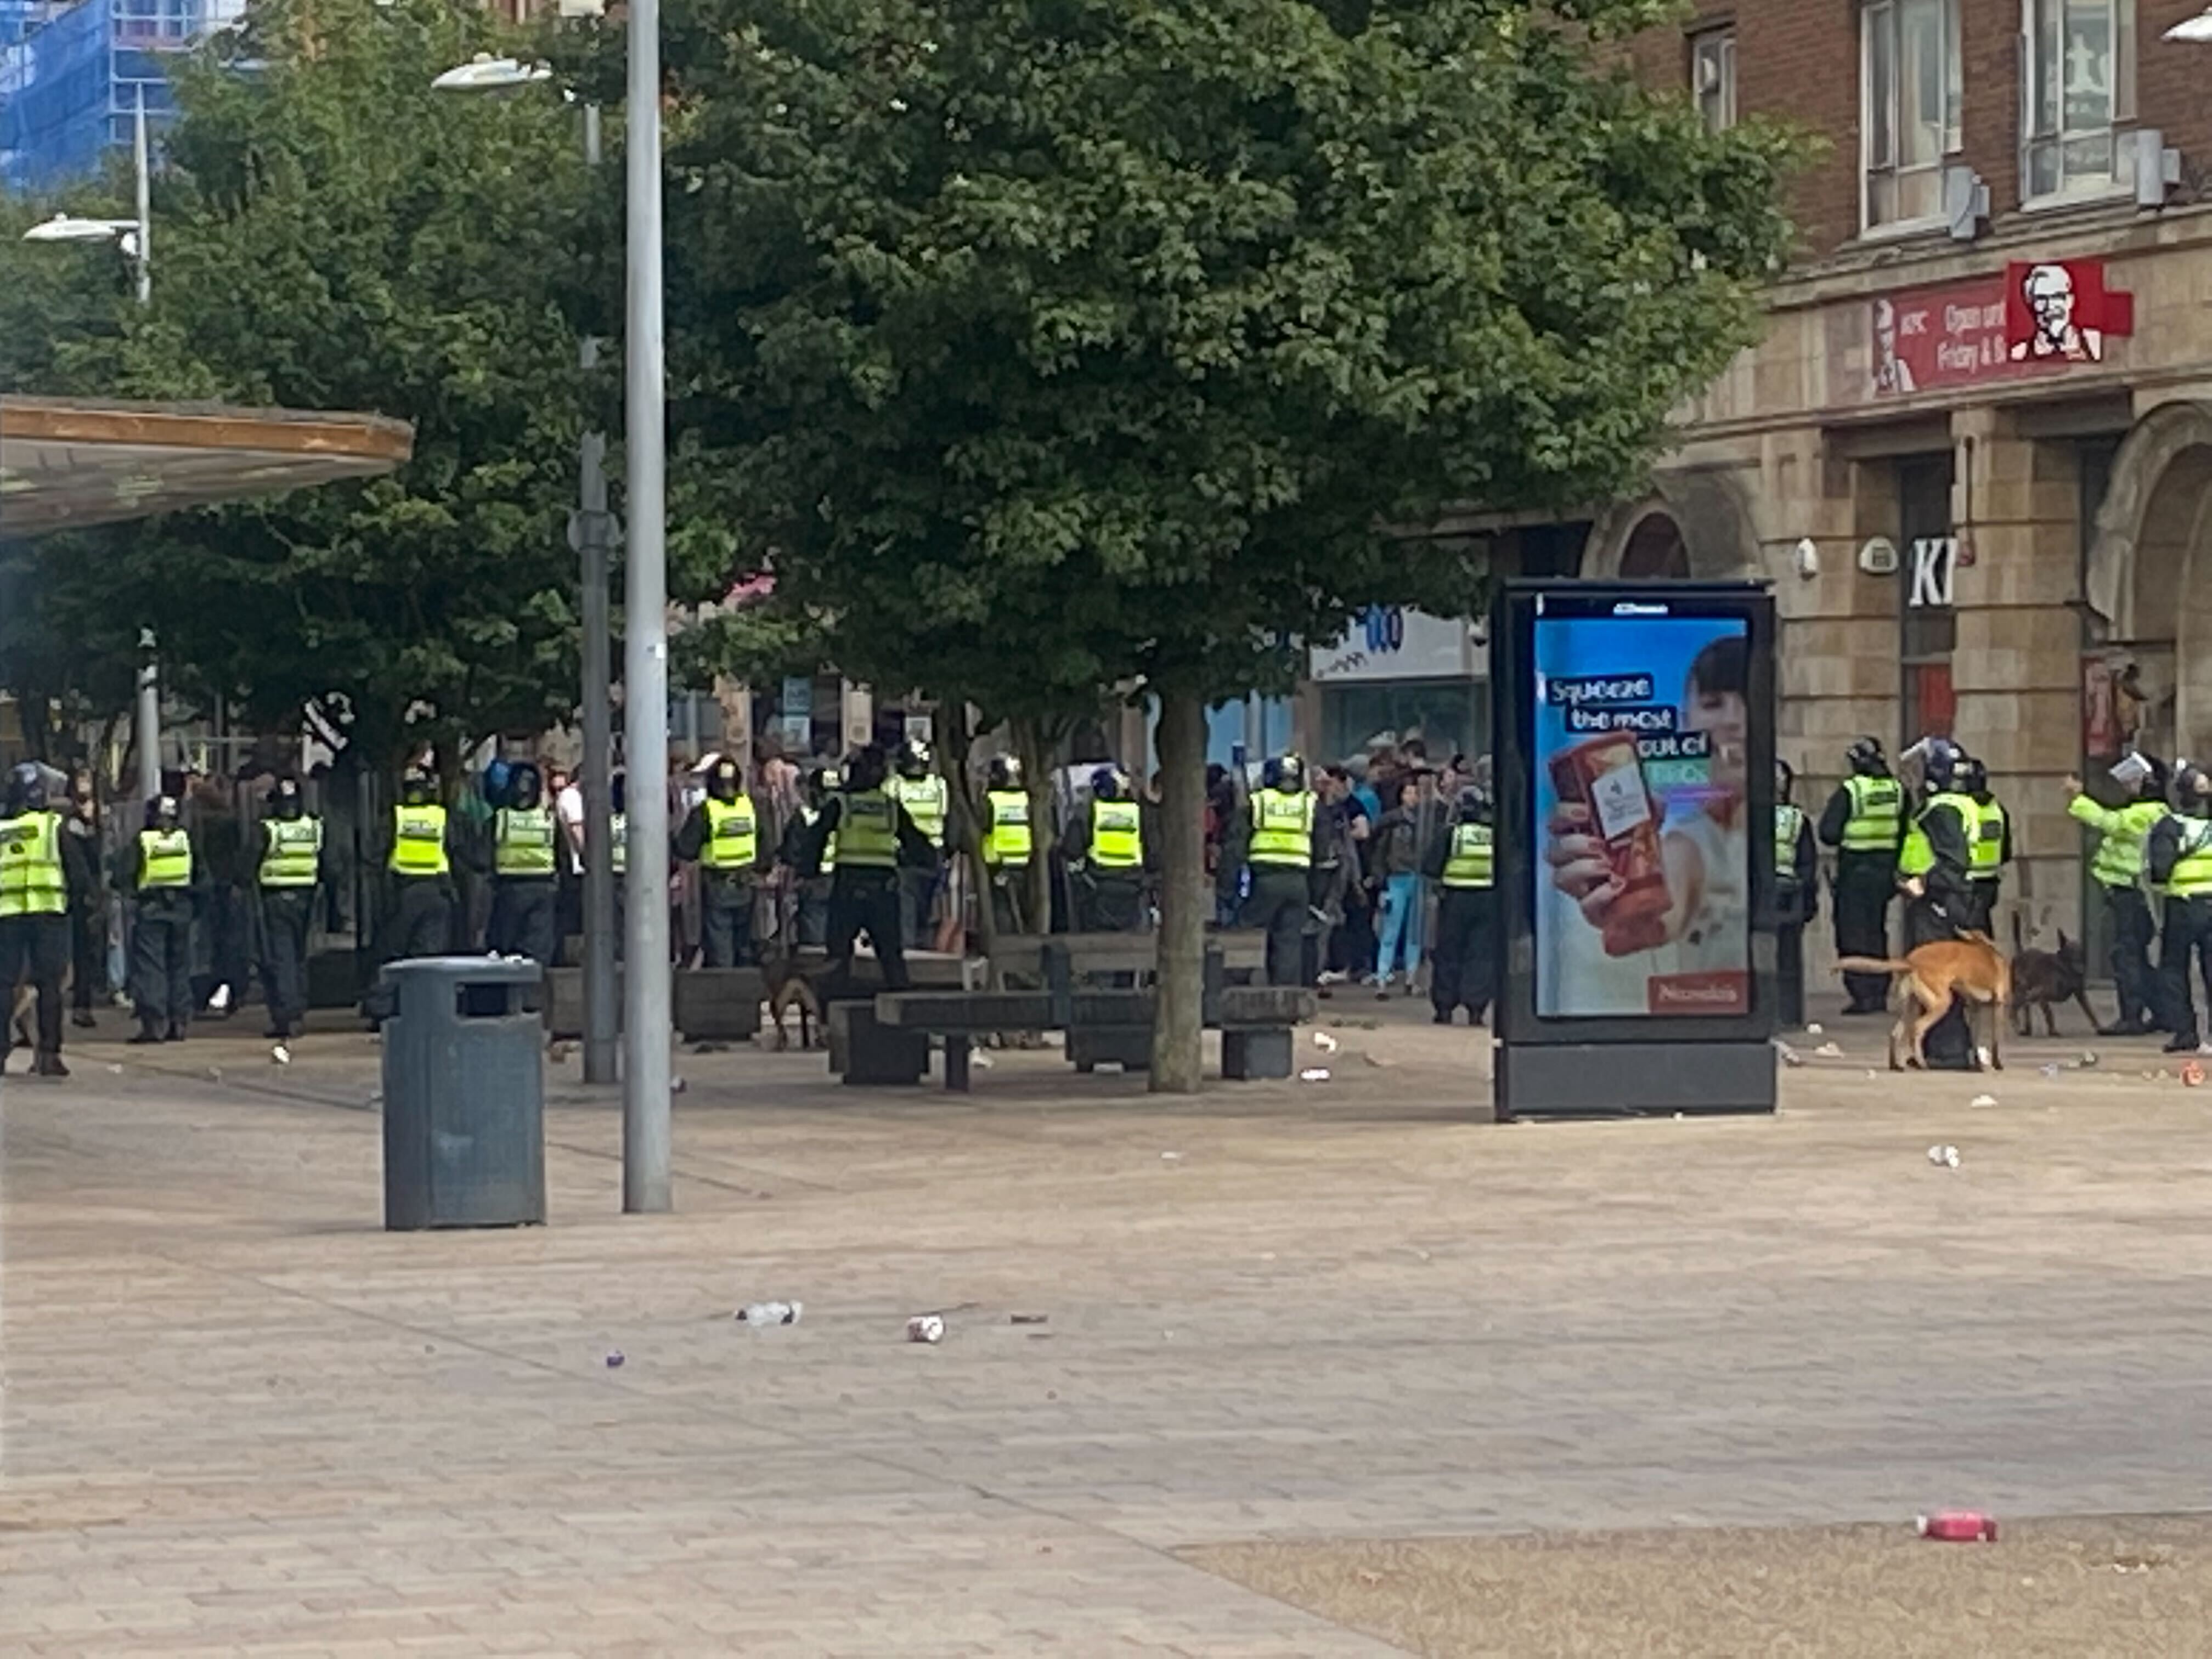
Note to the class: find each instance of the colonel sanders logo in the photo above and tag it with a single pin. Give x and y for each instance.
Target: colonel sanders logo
(2060, 313)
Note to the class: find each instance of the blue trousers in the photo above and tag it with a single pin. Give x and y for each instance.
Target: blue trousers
(1401, 925)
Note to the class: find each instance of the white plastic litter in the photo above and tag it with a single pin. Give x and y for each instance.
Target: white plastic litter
(1983, 1100)
(1944, 1157)
(1325, 1042)
(1314, 1074)
(281, 1055)
(1829, 1051)
(925, 1327)
(1816, 1029)
(761, 1314)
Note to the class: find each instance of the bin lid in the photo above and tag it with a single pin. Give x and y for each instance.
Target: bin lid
(467, 970)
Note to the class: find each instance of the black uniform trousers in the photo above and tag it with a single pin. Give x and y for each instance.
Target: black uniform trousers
(1982, 914)
(1462, 971)
(2188, 936)
(1788, 952)
(422, 917)
(866, 900)
(1009, 888)
(2128, 918)
(161, 961)
(88, 948)
(287, 913)
(525, 917)
(917, 898)
(36, 948)
(726, 918)
(1949, 1045)
(1865, 883)
(1278, 904)
(1116, 902)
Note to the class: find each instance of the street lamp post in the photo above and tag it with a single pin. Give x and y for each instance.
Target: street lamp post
(136, 237)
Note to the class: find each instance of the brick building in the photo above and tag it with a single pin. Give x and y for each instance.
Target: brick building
(1973, 451)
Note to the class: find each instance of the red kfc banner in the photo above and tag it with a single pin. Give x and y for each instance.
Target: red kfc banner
(2035, 318)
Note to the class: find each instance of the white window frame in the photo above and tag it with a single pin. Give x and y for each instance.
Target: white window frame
(2118, 180)
(1881, 16)
(1715, 47)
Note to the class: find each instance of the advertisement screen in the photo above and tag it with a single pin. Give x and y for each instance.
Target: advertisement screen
(1644, 883)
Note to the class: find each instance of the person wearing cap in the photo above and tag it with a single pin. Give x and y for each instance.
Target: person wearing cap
(2117, 866)
(160, 873)
(43, 878)
(2179, 855)
(1461, 861)
(1796, 895)
(1864, 821)
(294, 862)
(1935, 871)
(1275, 843)
(722, 835)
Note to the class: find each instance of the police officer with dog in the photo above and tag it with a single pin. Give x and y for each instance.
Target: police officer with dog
(1935, 871)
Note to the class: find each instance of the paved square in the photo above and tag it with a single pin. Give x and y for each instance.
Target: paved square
(240, 1418)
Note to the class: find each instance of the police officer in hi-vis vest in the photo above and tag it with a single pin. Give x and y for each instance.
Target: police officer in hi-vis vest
(1864, 821)
(295, 863)
(1106, 844)
(926, 798)
(525, 871)
(1277, 837)
(2116, 866)
(160, 874)
(873, 834)
(722, 835)
(1006, 843)
(1796, 894)
(2179, 855)
(43, 879)
(1935, 869)
(1992, 844)
(1461, 861)
(421, 866)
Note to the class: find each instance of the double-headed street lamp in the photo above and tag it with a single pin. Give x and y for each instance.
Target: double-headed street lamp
(135, 238)
(647, 1025)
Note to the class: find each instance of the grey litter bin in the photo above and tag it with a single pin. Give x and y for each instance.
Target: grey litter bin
(464, 1095)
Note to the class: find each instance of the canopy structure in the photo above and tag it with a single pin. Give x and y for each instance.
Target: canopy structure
(68, 462)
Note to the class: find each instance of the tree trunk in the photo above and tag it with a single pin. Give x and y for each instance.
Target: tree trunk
(1178, 1032)
(963, 836)
(1035, 745)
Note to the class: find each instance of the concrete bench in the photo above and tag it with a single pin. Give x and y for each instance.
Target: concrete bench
(708, 1005)
(1256, 1022)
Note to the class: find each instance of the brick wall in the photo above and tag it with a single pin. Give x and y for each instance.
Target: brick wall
(1799, 59)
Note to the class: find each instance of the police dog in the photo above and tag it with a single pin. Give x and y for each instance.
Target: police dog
(788, 988)
(1927, 980)
(2041, 979)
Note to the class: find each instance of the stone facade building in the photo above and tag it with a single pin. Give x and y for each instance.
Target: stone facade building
(1973, 451)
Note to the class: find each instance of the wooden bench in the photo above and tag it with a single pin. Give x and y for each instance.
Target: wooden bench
(1254, 1021)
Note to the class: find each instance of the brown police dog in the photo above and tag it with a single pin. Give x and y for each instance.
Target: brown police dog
(1925, 981)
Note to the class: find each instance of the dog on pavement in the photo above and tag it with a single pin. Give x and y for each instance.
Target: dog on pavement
(788, 988)
(1927, 980)
(2042, 979)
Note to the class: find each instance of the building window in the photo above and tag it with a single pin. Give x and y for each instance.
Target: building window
(2080, 84)
(1712, 77)
(1908, 75)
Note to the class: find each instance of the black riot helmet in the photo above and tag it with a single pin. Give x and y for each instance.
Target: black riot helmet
(1004, 771)
(913, 758)
(2189, 787)
(1866, 758)
(1973, 777)
(1473, 805)
(866, 769)
(162, 812)
(1106, 784)
(416, 788)
(27, 788)
(820, 780)
(526, 787)
(1945, 763)
(724, 779)
(285, 800)
(1783, 779)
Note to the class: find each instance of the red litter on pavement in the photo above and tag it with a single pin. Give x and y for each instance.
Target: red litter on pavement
(1959, 1527)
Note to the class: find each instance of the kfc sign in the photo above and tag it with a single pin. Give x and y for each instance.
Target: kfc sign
(2034, 318)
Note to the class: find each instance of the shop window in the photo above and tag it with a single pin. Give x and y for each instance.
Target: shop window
(1655, 550)
(1447, 717)
(1712, 77)
(1928, 625)
(2080, 86)
(1910, 85)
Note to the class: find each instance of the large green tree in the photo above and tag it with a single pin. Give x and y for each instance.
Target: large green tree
(1052, 345)
(332, 233)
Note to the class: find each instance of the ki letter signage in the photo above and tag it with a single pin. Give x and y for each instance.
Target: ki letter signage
(1935, 564)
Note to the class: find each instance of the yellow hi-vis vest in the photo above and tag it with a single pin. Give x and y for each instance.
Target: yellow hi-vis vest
(1877, 807)
(1117, 835)
(292, 849)
(165, 858)
(1918, 857)
(1988, 841)
(522, 842)
(1469, 862)
(867, 831)
(2192, 871)
(618, 840)
(1789, 823)
(924, 798)
(732, 835)
(418, 841)
(1282, 829)
(1006, 841)
(2123, 831)
(32, 883)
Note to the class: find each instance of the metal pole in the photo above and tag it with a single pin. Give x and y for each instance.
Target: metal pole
(644, 656)
(144, 256)
(599, 1026)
